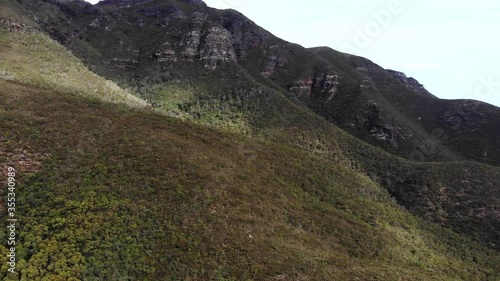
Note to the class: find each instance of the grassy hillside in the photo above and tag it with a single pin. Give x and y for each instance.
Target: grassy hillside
(123, 194)
(238, 98)
(31, 57)
(460, 195)
(277, 192)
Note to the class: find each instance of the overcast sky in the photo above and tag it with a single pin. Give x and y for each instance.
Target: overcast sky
(452, 47)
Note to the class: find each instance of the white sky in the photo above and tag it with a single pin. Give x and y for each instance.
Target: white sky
(452, 47)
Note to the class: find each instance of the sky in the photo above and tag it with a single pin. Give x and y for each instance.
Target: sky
(452, 47)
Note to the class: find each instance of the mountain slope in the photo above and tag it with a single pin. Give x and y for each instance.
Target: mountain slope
(160, 199)
(292, 162)
(30, 56)
(465, 127)
(219, 69)
(144, 43)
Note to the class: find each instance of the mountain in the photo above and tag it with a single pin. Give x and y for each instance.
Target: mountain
(144, 43)
(166, 140)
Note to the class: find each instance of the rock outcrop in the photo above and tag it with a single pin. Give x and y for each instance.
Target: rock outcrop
(216, 48)
(323, 85)
(191, 42)
(302, 88)
(463, 115)
(165, 53)
(274, 62)
(411, 83)
(210, 45)
(123, 63)
(362, 64)
(372, 121)
(13, 25)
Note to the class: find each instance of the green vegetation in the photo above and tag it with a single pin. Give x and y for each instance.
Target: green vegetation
(32, 57)
(125, 195)
(246, 182)
(192, 103)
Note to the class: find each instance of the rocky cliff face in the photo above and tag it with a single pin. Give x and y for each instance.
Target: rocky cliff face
(322, 85)
(411, 83)
(172, 33)
(209, 45)
(217, 48)
(274, 62)
(326, 85)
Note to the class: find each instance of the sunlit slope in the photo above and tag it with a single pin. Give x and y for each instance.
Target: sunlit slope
(31, 57)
